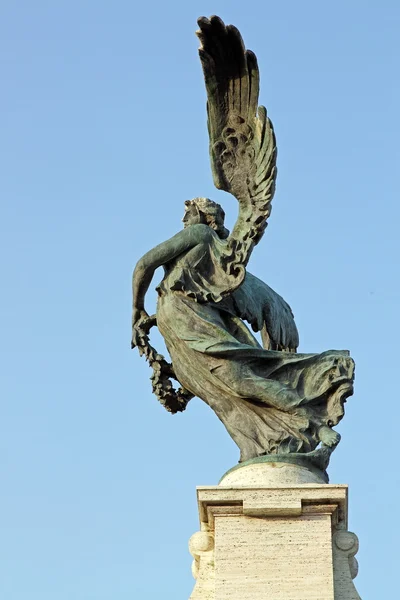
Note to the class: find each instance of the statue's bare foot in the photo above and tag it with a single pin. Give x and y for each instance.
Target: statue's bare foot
(328, 436)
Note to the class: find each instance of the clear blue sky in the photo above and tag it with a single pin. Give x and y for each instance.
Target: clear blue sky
(103, 138)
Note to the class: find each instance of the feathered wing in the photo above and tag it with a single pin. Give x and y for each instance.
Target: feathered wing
(242, 141)
(266, 311)
(243, 161)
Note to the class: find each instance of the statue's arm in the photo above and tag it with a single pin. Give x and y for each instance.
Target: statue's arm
(160, 255)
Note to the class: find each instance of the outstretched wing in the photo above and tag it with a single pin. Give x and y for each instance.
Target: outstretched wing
(242, 140)
(266, 311)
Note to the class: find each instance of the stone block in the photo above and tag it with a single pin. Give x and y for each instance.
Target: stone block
(281, 542)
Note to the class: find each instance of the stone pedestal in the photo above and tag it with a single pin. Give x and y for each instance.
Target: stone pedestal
(285, 541)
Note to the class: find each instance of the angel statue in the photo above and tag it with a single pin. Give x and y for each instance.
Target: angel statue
(273, 401)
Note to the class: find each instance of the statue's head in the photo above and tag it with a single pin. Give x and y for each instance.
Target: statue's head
(203, 210)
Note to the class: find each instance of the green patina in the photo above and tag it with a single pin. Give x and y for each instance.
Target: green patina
(277, 404)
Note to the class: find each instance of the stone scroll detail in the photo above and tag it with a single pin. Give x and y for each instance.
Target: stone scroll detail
(345, 565)
(201, 547)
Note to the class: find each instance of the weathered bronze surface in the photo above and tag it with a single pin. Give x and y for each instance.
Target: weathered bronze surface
(271, 399)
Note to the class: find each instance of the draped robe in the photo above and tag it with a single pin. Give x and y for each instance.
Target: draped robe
(271, 402)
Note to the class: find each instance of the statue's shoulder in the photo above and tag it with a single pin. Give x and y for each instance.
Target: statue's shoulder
(202, 230)
(199, 233)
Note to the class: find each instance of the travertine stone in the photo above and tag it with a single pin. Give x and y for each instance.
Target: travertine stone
(201, 547)
(345, 565)
(270, 474)
(273, 558)
(282, 542)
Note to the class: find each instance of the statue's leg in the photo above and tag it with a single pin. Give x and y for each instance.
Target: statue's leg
(246, 384)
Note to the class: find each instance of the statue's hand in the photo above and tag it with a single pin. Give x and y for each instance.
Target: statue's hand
(139, 316)
(141, 325)
(328, 436)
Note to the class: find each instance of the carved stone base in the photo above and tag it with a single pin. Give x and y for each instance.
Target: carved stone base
(281, 542)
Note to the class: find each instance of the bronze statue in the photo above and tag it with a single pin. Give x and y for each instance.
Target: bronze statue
(275, 403)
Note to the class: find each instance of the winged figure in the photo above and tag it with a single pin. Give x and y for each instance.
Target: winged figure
(271, 399)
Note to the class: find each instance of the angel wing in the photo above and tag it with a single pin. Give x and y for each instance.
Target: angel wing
(242, 140)
(266, 311)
